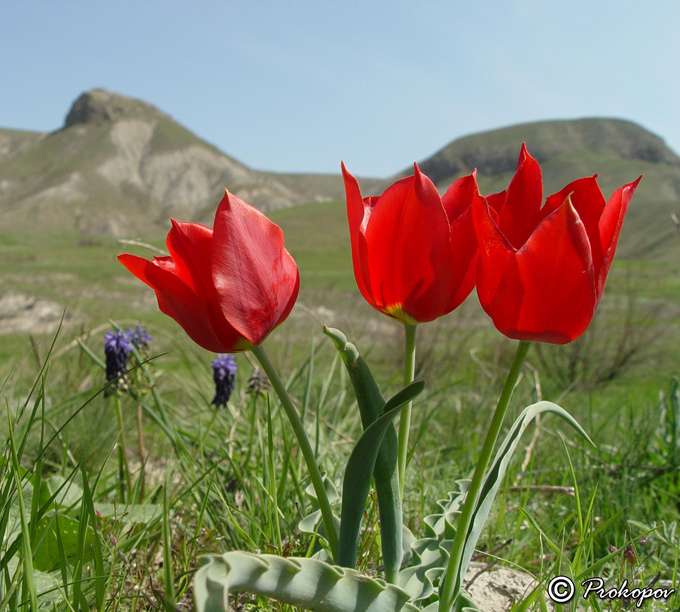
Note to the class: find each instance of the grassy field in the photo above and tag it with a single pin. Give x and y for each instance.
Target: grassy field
(196, 480)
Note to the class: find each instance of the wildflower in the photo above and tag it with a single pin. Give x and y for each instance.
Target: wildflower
(139, 338)
(229, 286)
(543, 269)
(258, 382)
(117, 350)
(414, 252)
(224, 375)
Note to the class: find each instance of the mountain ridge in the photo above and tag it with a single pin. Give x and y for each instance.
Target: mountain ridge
(121, 167)
(558, 136)
(134, 161)
(617, 150)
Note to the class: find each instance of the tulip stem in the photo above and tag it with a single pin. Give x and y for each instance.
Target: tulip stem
(451, 585)
(305, 446)
(405, 418)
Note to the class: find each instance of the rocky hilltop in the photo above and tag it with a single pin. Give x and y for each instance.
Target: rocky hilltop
(99, 105)
(495, 152)
(119, 166)
(618, 151)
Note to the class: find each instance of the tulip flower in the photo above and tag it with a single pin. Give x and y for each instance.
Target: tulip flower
(542, 270)
(414, 252)
(414, 256)
(228, 287)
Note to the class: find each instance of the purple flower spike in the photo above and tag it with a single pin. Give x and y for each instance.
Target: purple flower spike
(139, 338)
(224, 375)
(117, 350)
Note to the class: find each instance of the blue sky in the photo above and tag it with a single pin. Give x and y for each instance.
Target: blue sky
(303, 84)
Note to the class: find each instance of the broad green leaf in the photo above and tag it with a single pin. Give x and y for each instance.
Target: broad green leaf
(497, 471)
(359, 471)
(46, 554)
(48, 586)
(69, 493)
(312, 524)
(464, 603)
(331, 492)
(307, 583)
(371, 403)
(430, 554)
(369, 397)
(133, 513)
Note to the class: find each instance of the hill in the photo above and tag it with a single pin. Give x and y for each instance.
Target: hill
(619, 151)
(120, 166)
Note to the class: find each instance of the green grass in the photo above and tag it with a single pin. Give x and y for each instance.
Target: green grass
(323, 257)
(107, 502)
(233, 483)
(229, 481)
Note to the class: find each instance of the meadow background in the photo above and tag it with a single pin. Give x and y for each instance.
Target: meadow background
(215, 480)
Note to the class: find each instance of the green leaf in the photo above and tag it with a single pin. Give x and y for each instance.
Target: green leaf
(307, 583)
(312, 524)
(359, 471)
(94, 547)
(430, 554)
(371, 403)
(132, 513)
(91, 354)
(28, 579)
(169, 599)
(48, 586)
(69, 494)
(369, 397)
(464, 603)
(331, 492)
(47, 554)
(497, 471)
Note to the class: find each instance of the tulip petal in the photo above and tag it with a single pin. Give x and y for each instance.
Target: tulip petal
(254, 277)
(496, 201)
(409, 258)
(587, 199)
(550, 283)
(456, 200)
(522, 200)
(176, 299)
(463, 257)
(610, 227)
(494, 251)
(294, 293)
(190, 246)
(589, 203)
(358, 209)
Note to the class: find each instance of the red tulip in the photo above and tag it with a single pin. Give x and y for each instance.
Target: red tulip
(542, 270)
(414, 252)
(228, 287)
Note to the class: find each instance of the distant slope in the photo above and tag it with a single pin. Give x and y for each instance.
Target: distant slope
(619, 151)
(323, 187)
(119, 167)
